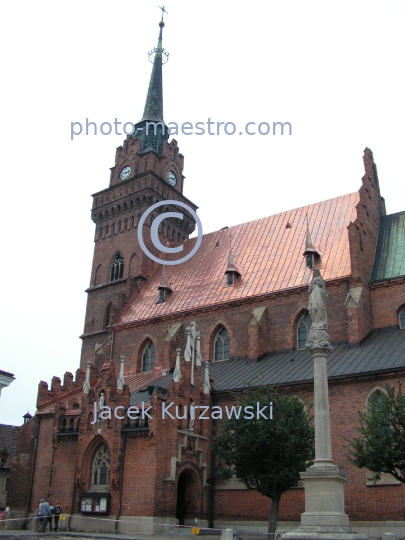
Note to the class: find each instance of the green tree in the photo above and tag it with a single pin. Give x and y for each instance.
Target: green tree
(381, 447)
(266, 454)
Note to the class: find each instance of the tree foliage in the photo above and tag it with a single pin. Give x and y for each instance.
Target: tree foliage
(381, 447)
(266, 455)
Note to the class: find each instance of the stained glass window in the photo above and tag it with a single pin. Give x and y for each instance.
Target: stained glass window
(101, 466)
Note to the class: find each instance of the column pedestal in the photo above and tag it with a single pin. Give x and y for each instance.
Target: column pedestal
(324, 517)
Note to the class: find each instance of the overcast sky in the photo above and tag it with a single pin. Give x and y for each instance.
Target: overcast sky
(334, 70)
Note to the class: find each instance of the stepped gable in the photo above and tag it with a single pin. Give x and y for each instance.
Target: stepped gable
(267, 252)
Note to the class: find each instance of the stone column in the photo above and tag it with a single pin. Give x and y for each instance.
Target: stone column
(324, 517)
(323, 445)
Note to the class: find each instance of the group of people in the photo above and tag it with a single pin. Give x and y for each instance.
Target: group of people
(46, 513)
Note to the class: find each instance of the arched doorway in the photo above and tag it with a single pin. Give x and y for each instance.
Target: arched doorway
(186, 507)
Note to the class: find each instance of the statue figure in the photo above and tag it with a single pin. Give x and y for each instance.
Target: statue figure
(317, 300)
(192, 416)
(100, 402)
(318, 336)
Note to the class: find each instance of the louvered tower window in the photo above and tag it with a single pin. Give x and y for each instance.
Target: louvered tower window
(117, 268)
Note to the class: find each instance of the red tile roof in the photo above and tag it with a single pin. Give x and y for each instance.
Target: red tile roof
(136, 381)
(266, 253)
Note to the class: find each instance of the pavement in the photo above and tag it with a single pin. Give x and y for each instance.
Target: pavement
(5, 534)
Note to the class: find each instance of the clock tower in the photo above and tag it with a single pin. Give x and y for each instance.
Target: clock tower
(148, 169)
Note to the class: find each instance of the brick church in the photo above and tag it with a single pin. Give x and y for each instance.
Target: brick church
(234, 314)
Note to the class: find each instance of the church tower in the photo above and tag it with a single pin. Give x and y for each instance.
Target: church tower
(148, 169)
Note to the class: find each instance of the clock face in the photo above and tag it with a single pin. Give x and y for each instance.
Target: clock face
(124, 174)
(171, 178)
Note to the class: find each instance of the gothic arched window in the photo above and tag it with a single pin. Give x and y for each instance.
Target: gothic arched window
(101, 467)
(117, 268)
(302, 330)
(378, 407)
(402, 318)
(222, 345)
(107, 315)
(148, 357)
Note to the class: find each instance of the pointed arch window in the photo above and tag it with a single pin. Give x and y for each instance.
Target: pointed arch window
(222, 345)
(402, 318)
(302, 330)
(101, 467)
(117, 268)
(107, 315)
(377, 404)
(148, 357)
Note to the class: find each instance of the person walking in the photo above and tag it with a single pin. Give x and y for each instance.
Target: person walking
(38, 519)
(46, 512)
(57, 511)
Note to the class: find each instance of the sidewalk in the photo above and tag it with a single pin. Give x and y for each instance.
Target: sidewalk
(4, 534)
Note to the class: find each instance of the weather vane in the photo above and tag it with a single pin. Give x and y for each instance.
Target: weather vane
(163, 11)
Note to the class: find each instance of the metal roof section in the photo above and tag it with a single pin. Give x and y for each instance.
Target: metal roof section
(383, 351)
(267, 253)
(389, 262)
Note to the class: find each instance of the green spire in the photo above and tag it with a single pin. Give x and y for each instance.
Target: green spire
(152, 136)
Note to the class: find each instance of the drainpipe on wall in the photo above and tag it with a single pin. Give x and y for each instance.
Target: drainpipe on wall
(121, 482)
(32, 470)
(212, 482)
(73, 496)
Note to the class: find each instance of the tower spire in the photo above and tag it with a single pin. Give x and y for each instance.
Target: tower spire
(151, 129)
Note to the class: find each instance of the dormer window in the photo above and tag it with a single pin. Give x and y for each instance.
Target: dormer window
(229, 279)
(309, 260)
(161, 297)
(164, 289)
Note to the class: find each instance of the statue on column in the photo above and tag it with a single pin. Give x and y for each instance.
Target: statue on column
(318, 336)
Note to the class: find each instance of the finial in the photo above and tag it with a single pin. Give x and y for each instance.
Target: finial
(86, 384)
(177, 369)
(206, 384)
(120, 380)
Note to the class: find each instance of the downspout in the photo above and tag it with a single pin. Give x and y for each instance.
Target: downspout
(212, 483)
(112, 345)
(32, 470)
(73, 496)
(121, 482)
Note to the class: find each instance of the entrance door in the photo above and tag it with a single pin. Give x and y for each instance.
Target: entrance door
(186, 493)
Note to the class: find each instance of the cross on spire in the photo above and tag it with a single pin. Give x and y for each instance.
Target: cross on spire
(163, 11)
